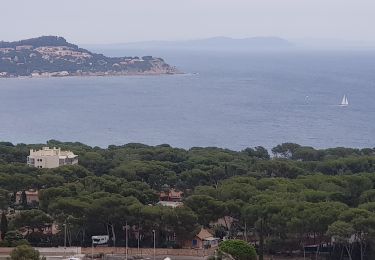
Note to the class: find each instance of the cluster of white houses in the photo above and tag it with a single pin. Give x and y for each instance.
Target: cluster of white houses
(62, 51)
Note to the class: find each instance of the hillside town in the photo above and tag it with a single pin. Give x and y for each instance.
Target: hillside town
(51, 56)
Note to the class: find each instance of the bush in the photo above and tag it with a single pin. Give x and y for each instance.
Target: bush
(25, 252)
(238, 249)
(13, 239)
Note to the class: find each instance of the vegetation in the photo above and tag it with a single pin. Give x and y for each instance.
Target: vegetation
(298, 197)
(3, 225)
(25, 252)
(238, 249)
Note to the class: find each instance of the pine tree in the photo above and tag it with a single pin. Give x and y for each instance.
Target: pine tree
(24, 199)
(3, 225)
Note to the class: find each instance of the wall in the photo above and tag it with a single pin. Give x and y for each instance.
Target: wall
(150, 251)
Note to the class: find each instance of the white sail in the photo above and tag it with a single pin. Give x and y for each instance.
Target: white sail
(344, 101)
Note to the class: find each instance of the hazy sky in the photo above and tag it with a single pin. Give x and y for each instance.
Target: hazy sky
(115, 21)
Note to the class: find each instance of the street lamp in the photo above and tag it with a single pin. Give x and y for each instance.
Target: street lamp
(139, 235)
(126, 240)
(153, 231)
(64, 238)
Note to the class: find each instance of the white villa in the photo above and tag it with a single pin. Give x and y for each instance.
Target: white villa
(51, 158)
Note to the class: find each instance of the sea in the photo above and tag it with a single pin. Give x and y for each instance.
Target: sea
(224, 99)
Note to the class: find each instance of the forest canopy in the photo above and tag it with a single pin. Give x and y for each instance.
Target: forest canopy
(295, 196)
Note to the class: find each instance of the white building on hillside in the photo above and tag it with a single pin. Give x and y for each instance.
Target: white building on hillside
(51, 158)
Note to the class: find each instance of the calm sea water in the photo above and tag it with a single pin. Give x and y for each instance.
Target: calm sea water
(230, 100)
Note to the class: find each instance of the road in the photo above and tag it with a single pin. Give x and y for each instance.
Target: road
(146, 257)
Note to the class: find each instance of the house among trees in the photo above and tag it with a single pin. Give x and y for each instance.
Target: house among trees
(51, 158)
(171, 195)
(204, 239)
(29, 197)
(170, 198)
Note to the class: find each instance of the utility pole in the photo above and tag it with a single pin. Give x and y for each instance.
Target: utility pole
(65, 238)
(153, 231)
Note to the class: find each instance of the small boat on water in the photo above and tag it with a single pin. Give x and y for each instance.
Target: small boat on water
(344, 101)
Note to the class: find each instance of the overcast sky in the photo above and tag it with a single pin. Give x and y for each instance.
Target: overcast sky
(116, 21)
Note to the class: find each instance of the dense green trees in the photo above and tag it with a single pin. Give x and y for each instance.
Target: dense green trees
(298, 197)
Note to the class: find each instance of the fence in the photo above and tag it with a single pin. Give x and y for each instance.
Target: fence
(149, 251)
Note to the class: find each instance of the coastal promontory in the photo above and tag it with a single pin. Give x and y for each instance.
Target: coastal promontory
(53, 56)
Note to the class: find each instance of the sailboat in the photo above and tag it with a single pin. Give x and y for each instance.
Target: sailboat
(344, 101)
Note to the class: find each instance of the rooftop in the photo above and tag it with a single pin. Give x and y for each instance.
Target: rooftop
(204, 234)
(46, 151)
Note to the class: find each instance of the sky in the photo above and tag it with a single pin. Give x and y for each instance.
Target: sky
(119, 21)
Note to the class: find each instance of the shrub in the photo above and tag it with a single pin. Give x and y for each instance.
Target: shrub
(238, 249)
(25, 252)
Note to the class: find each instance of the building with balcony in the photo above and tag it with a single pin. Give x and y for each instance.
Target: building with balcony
(51, 158)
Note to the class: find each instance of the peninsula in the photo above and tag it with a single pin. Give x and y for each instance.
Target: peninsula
(53, 56)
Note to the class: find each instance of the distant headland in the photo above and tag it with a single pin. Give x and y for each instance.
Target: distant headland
(53, 56)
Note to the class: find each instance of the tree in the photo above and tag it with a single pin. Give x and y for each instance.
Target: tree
(363, 223)
(285, 150)
(368, 196)
(184, 222)
(25, 252)
(14, 238)
(307, 154)
(94, 162)
(238, 249)
(207, 208)
(341, 232)
(257, 152)
(258, 216)
(4, 199)
(112, 211)
(32, 219)
(23, 201)
(3, 225)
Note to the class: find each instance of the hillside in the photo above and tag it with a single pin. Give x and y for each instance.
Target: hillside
(53, 56)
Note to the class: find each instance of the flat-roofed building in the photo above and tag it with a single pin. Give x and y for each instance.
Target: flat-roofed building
(32, 197)
(51, 158)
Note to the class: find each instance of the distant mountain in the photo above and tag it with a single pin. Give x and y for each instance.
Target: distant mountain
(54, 56)
(216, 43)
